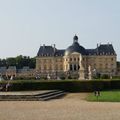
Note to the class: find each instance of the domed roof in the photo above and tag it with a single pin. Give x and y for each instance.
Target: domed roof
(75, 47)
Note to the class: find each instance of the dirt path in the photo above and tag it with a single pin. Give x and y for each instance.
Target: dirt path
(72, 107)
(76, 96)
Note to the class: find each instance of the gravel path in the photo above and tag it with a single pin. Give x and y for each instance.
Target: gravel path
(71, 107)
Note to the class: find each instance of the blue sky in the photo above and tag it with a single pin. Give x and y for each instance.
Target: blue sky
(25, 24)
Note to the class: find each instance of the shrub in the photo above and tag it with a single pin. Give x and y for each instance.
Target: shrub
(66, 85)
(105, 76)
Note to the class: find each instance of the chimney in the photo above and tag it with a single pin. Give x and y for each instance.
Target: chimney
(54, 48)
(43, 45)
(97, 48)
(97, 45)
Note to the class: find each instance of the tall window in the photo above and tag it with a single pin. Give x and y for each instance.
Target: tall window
(50, 67)
(78, 67)
(61, 67)
(70, 67)
(111, 59)
(75, 68)
(45, 67)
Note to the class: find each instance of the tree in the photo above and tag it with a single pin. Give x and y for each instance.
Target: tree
(19, 61)
(3, 63)
(10, 62)
(118, 64)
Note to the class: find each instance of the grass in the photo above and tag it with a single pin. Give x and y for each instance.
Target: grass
(105, 96)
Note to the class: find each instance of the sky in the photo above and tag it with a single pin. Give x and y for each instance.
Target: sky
(27, 24)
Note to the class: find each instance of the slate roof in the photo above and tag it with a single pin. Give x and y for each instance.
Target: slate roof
(59, 52)
(103, 49)
(50, 51)
(75, 47)
(91, 52)
(106, 48)
(11, 68)
(3, 69)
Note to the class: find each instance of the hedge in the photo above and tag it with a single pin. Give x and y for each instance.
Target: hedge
(66, 85)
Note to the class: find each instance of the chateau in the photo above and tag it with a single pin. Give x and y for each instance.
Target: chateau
(73, 62)
(76, 61)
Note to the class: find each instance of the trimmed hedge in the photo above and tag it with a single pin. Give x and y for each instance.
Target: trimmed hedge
(66, 85)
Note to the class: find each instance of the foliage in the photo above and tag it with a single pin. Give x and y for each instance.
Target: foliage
(118, 64)
(18, 61)
(105, 76)
(116, 77)
(66, 85)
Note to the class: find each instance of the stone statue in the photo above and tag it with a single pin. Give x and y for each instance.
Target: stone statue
(48, 77)
(89, 73)
(11, 78)
(81, 70)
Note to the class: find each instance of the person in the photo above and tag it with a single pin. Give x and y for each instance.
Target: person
(1, 87)
(97, 93)
(7, 86)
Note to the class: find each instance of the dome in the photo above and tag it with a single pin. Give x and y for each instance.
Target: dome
(75, 47)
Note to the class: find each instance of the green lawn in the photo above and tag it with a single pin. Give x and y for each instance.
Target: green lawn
(105, 96)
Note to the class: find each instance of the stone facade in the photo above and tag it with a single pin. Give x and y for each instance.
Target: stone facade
(13, 71)
(76, 61)
(26, 72)
(73, 62)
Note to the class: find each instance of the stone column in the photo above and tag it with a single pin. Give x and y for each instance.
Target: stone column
(68, 67)
(76, 67)
(53, 65)
(42, 66)
(72, 67)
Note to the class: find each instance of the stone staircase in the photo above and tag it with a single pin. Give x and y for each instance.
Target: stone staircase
(50, 95)
(54, 94)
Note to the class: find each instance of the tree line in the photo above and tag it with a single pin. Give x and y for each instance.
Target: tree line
(19, 61)
(118, 63)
